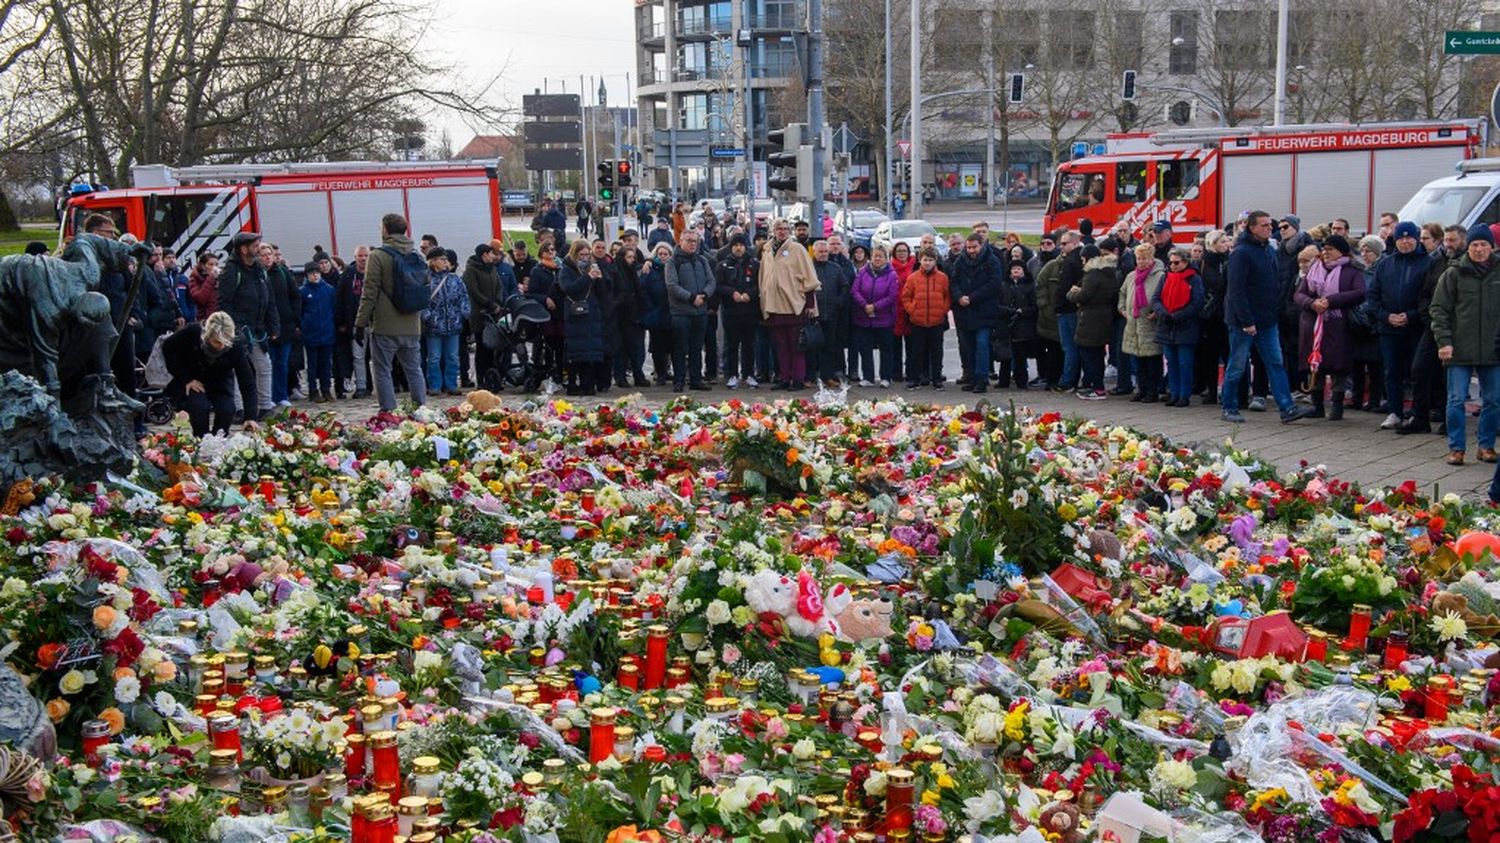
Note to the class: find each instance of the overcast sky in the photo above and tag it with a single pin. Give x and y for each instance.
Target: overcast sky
(535, 41)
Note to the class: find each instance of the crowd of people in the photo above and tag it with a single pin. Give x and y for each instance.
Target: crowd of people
(1399, 322)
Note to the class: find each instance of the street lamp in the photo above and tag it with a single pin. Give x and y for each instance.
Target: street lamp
(1301, 96)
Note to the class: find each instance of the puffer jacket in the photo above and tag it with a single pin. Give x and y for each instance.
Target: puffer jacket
(1023, 299)
(655, 314)
(448, 310)
(979, 279)
(880, 288)
(904, 269)
(542, 287)
(1466, 312)
(583, 334)
(245, 295)
(738, 275)
(689, 276)
(288, 298)
(925, 299)
(833, 290)
(1096, 299)
(317, 316)
(1140, 332)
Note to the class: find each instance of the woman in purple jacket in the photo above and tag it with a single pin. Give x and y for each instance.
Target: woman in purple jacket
(876, 295)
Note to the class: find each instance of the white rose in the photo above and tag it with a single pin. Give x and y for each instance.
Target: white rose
(875, 784)
(803, 749)
(717, 613)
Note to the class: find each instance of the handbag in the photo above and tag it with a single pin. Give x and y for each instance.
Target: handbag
(579, 307)
(810, 338)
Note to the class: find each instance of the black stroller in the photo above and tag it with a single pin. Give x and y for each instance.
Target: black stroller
(505, 335)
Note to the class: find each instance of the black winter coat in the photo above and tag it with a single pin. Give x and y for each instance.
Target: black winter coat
(583, 334)
(1214, 283)
(346, 301)
(738, 275)
(187, 361)
(1180, 327)
(979, 279)
(245, 295)
(1023, 309)
(288, 298)
(1096, 301)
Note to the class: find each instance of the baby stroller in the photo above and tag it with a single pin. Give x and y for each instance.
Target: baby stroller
(505, 336)
(151, 379)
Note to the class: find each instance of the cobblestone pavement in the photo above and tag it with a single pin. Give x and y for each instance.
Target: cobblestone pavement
(1353, 449)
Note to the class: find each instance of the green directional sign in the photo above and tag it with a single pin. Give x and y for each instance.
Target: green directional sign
(1466, 41)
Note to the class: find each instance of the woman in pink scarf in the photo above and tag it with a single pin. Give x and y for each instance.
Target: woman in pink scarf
(1325, 296)
(1139, 338)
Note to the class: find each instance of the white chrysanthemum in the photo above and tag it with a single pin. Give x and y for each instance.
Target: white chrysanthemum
(1449, 626)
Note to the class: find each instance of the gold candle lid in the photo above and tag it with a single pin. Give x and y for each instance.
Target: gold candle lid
(900, 775)
(425, 765)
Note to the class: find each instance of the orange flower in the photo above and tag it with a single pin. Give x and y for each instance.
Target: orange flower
(115, 718)
(104, 617)
(164, 671)
(122, 672)
(47, 655)
(782, 436)
(791, 455)
(57, 709)
(629, 834)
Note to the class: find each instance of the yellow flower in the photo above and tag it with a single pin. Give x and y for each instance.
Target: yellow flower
(1015, 722)
(1398, 684)
(72, 682)
(930, 797)
(1067, 511)
(1266, 797)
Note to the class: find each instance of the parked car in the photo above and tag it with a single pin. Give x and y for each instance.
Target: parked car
(910, 232)
(858, 225)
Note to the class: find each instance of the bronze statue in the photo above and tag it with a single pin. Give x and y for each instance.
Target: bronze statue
(56, 337)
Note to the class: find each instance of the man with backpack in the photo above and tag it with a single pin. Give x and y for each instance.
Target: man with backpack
(390, 309)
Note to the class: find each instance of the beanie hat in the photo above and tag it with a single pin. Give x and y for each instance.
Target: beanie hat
(321, 256)
(482, 249)
(1339, 242)
(738, 240)
(1295, 220)
(1089, 252)
(1480, 231)
(1407, 228)
(452, 257)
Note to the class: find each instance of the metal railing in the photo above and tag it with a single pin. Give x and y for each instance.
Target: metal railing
(702, 26)
(651, 30)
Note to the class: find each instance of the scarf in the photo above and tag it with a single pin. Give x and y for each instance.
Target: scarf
(1323, 280)
(550, 263)
(1177, 291)
(1139, 305)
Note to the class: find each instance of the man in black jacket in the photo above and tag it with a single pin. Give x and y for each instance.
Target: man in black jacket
(288, 300)
(245, 295)
(348, 349)
(1067, 312)
(738, 291)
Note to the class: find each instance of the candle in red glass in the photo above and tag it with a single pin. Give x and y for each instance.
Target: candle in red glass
(354, 757)
(211, 593)
(899, 788)
(1395, 649)
(267, 488)
(383, 824)
(225, 730)
(629, 676)
(95, 734)
(1317, 648)
(656, 656)
(1359, 627)
(535, 596)
(1435, 704)
(387, 764)
(359, 826)
(601, 734)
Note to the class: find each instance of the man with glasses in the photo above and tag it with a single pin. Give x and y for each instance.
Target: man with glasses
(1393, 296)
(1252, 307)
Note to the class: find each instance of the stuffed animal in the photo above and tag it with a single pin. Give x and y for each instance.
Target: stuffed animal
(401, 537)
(482, 401)
(1060, 821)
(797, 603)
(864, 620)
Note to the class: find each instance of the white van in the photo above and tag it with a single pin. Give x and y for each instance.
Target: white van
(1470, 196)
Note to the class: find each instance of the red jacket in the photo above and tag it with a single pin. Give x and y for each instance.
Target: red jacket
(903, 270)
(204, 291)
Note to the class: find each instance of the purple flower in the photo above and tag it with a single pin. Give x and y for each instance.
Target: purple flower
(1242, 529)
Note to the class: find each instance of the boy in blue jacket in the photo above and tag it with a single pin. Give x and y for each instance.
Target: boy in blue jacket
(318, 333)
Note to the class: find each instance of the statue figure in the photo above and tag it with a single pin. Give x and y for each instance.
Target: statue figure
(60, 410)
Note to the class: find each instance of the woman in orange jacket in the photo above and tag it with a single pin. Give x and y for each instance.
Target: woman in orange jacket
(925, 302)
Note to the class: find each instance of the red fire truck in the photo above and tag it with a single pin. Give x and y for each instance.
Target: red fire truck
(299, 206)
(1201, 179)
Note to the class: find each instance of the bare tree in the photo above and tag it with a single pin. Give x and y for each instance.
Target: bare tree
(1430, 71)
(190, 81)
(1064, 90)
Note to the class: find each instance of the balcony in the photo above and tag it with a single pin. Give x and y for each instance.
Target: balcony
(701, 28)
(650, 33)
(791, 20)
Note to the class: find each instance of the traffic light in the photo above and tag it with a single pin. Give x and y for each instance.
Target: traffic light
(1127, 87)
(783, 158)
(1017, 91)
(622, 172)
(606, 180)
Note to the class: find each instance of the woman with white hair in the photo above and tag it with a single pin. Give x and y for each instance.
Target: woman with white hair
(201, 359)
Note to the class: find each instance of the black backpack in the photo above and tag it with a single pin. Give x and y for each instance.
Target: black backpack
(408, 281)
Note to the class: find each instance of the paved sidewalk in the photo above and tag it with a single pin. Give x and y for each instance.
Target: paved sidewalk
(1353, 449)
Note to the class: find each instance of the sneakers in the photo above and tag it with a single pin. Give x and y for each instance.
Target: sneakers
(1297, 412)
(865, 383)
(1257, 404)
(751, 382)
(1411, 426)
(1232, 416)
(1092, 395)
(885, 384)
(1391, 422)
(283, 403)
(732, 383)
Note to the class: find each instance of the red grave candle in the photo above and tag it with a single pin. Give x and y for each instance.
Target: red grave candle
(387, 763)
(1359, 627)
(656, 656)
(601, 734)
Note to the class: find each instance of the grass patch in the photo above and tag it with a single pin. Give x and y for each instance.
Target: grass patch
(14, 242)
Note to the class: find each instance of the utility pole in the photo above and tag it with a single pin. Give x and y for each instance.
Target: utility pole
(989, 141)
(585, 179)
(1281, 33)
(888, 183)
(916, 109)
(815, 109)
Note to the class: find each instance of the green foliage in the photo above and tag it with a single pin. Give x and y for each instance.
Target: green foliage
(1009, 506)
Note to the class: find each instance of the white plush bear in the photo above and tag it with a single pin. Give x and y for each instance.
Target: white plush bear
(796, 601)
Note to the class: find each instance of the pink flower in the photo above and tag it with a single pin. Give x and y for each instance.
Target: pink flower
(776, 729)
(733, 762)
(826, 834)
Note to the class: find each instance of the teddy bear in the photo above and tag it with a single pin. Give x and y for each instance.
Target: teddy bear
(795, 601)
(864, 620)
(481, 401)
(1061, 820)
